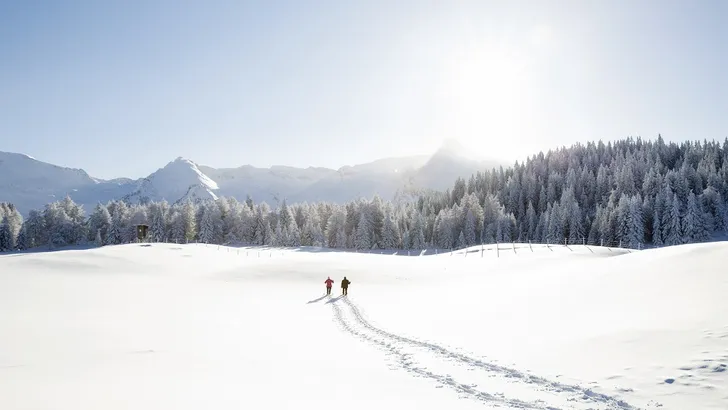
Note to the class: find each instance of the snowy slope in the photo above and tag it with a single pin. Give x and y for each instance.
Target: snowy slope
(189, 327)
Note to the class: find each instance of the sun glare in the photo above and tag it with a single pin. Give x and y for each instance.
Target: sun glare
(541, 35)
(485, 89)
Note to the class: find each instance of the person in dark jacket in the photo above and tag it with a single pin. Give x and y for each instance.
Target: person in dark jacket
(345, 286)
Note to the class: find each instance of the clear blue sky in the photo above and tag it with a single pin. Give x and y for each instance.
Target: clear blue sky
(121, 88)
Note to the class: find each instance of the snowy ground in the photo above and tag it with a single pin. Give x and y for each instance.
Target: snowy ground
(191, 327)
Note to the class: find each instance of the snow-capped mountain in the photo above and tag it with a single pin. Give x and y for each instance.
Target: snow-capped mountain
(178, 181)
(23, 171)
(30, 184)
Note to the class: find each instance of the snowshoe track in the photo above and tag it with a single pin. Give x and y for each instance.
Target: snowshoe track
(550, 395)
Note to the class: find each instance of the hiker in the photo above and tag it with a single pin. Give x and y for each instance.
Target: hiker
(345, 286)
(328, 283)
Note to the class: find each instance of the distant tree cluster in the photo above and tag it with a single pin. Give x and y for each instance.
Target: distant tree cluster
(627, 193)
(630, 192)
(11, 222)
(359, 224)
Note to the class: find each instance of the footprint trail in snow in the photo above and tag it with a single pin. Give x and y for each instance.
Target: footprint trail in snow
(473, 378)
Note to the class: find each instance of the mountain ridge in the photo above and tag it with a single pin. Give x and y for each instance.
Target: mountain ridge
(30, 184)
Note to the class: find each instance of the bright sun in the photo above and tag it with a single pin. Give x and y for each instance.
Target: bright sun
(484, 92)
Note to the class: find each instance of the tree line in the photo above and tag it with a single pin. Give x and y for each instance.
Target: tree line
(628, 193)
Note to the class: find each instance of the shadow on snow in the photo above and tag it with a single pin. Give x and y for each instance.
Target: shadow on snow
(316, 300)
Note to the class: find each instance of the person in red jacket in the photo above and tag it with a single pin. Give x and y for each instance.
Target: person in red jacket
(328, 283)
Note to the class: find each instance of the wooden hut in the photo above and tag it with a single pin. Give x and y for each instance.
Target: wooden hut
(142, 232)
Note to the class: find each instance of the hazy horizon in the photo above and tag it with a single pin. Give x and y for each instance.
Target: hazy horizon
(120, 89)
(461, 151)
(504, 163)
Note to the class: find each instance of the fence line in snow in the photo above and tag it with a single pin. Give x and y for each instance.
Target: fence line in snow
(496, 247)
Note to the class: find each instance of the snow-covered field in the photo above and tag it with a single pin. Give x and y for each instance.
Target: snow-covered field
(198, 327)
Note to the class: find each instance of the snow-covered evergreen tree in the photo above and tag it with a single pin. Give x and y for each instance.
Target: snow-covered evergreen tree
(207, 225)
(312, 235)
(660, 210)
(445, 234)
(177, 227)
(269, 238)
(376, 220)
(506, 227)
(189, 221)
(542, 228)
(285, 217)
(406, 242)
(98, 241)
(531, 221)
(461, 241)
(693, 224)
(363, 238)
(259, 227)
(12, 223)
(336, 228)
(711, 201)
(158, 228)
(114, 235)
(224, 224)
(59, 225)
(636, 231)
(23, 238)
(470, 238)
(624, 216)
(555, 233)
(671, 227)
(596, 227)
(417, 234)
(99, 222)
(6, 240)
(75, 226)
(36, 233)
(390, 233)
